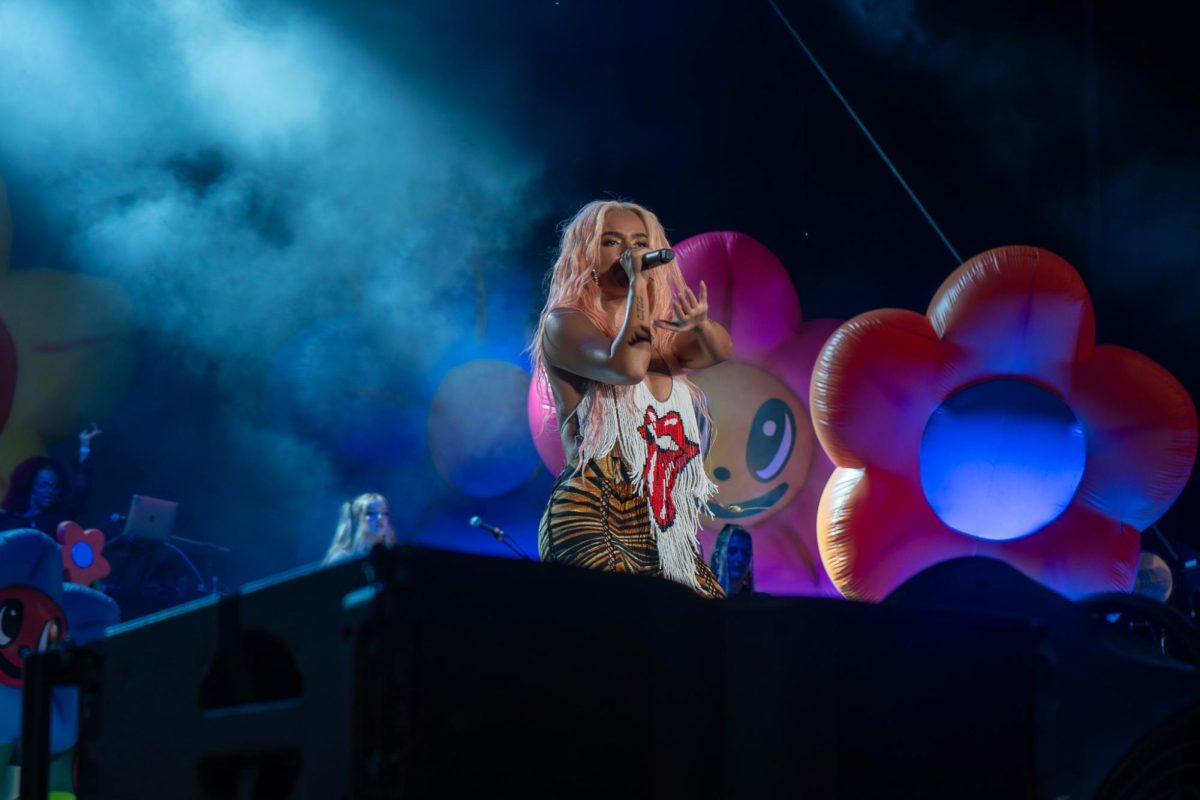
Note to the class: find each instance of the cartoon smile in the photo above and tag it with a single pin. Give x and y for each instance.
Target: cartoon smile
(754, 505)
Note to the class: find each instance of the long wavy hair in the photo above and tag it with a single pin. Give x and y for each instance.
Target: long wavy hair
(349, 539)
(570, 286)
(719, 564)
(19, 497)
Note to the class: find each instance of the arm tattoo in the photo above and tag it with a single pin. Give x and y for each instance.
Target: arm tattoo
(641, 308)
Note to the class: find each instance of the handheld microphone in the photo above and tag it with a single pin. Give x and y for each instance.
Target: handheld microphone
(655, 257)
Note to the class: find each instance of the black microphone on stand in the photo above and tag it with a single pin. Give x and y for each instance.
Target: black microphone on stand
(500, 535)
(656, 257)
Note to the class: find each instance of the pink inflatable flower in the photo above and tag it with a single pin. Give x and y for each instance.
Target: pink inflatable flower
(994, 425)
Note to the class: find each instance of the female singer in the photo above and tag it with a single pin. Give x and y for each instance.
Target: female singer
(363, 523)
(612, 343)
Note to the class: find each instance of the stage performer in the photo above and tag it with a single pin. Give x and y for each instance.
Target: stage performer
(363, 523)
(42, 492)
(613, 340)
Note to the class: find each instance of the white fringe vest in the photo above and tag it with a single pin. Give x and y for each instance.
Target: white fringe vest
(660, 446)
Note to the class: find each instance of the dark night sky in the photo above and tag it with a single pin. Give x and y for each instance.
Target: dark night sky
(1066, 126)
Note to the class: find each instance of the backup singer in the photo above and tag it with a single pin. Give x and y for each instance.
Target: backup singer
(612, 342)
(363, 523)
(732, 561)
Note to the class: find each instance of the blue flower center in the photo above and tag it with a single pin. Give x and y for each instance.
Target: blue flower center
(1001, 459)
(82, 555)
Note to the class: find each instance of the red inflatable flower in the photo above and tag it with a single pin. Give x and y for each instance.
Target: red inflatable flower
(994, 425)
(81, 553)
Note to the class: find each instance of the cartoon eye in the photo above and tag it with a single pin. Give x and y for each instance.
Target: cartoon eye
(51, 632)
(772, 436)
(12, 615)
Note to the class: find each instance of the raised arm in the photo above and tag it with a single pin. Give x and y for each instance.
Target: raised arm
(81, 473)
(699, 341)
(575, 344)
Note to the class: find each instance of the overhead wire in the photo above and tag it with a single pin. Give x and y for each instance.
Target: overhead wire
(862, 127)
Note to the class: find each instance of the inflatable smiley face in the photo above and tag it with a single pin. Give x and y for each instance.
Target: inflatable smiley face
(765, 459)
(763, 450)
(30, 622)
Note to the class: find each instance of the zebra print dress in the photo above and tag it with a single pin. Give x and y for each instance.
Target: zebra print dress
(600, 517)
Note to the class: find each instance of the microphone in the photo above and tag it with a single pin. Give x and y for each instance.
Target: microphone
(476, 522)
(655, 257)
(500, 535)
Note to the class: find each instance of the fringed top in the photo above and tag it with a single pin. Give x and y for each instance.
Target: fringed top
(660, 446)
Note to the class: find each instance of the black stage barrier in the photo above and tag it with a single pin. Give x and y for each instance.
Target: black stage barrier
(422, 674)
(1117, 685)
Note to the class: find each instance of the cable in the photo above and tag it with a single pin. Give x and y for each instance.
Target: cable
(862, 127)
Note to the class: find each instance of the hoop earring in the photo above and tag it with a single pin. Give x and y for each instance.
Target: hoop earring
(595, 276)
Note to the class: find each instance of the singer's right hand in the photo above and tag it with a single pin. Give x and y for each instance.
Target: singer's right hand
(631, 261)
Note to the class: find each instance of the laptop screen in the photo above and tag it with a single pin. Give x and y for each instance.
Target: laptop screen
(151, 518)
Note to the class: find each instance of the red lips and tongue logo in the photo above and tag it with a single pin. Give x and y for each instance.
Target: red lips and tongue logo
(667, 452)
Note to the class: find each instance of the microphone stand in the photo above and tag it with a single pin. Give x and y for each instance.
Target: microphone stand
(502, 537)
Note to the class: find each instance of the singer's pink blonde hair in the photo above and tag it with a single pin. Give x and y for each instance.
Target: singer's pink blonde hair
(571, 286)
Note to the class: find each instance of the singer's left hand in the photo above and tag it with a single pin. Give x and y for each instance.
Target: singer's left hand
(690, 311)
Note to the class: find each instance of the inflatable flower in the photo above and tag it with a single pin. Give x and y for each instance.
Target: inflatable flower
(66, 352)
(994, 425)
(765, 460)
(82, 551)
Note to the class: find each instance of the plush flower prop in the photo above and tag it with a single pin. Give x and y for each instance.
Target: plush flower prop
(82, 553)
(66, 352)
(994, 425)
(37, 611)
(765, 460)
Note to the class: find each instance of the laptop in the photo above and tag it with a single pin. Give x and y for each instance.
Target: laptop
(151, 518)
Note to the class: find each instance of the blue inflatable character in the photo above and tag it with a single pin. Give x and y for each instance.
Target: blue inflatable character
(39, 611)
